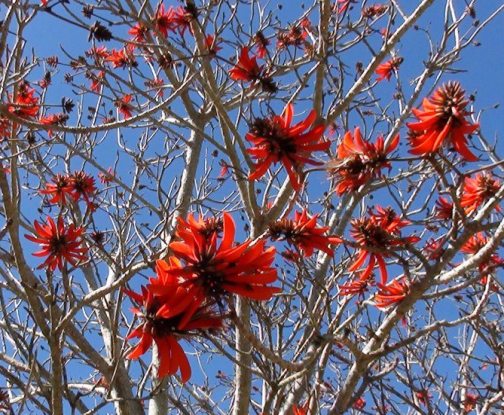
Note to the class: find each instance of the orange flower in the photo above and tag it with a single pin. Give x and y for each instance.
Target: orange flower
(212, 45)
(295, 36)
(444, 209)
(304, 233)
(359, 286)
(165, 326)
(442, 119)
(373, 11)
(246, 69)
(121, 58)
(359, 403)
(26, 104)
(385, 70)
(54, 119)
(83, 185)
(359, 161)
(470, 402)
(261, 44)
(477, 191)
(473, 246)
(380, 231)
(124, 107)
(210, 270)
(276, 140)
(392, 293)
(60, 190)
(59, 243)
(138, 32)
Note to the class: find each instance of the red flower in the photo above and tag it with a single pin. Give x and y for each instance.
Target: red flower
(434, 248)
(59, 243)
(359, 403)
(276, 140)
(359, 286)
(359, 161)
(477, 191)
(444, 209)
(304, 234)
(54, 119)
(261, 44)
(212, 45)
(295, 36)
(164, 20)
(423, 396)
(301, 410)
(165, 326)
(121, 58)
(373, 11)
(377, 234)
(246, 69)
(124, 107)
(210, 270)
(5, 128)
(473, 246)
(98, 53)
(182, 18)
(83, 185)
(470, 402)
(138, 32)
(173, 19)
(384, 71)
(442, 119)
(26, 104)
(392, 293)
(96, 80)
(60, 190)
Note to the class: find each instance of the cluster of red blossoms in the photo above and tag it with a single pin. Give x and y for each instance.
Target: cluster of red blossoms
(296, 35)
(478, 190)
(24, 104)
(59, 243)
(248, 70)
(359, 161)
(304, 234)
(276, 140)
(376, 235)
(442, 119)
(473, 246)
(386, 69)
(193, 285)
(71, 187)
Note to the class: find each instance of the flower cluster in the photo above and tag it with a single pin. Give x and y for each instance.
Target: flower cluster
(376, 235)
(385, 70)
(475, 243)
(193, 285)
(276, 140)
(478, 190)
(303, 233)
(59, 243)
(70, 187)
(24, 104)
(443, 119)
(165, 325)
(174, 19)
(296, 35)
(392, 293)
(248, 70)
(359, 161)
